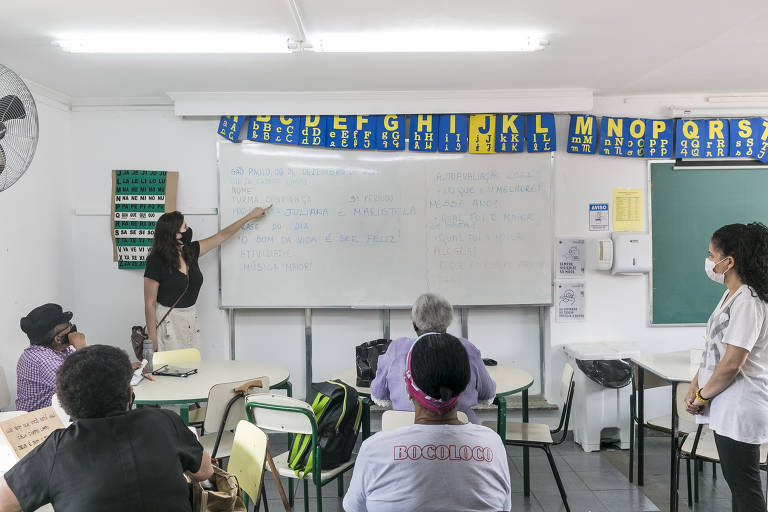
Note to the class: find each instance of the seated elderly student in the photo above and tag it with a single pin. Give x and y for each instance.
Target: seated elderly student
(111, 458)
(437, 463)
(51, 339)
(430, 313)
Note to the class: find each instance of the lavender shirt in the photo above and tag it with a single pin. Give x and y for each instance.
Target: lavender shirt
(36, 376)
(389, 385)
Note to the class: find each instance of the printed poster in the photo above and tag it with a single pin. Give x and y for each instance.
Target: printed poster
(599, 219)
(570, 258)
(139, 198)
(569, 301)
(627, 209)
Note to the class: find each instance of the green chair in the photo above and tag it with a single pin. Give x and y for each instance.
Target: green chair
(277, 413)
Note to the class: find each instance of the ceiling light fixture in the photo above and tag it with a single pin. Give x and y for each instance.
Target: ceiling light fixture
(173, 43)
(430, 41)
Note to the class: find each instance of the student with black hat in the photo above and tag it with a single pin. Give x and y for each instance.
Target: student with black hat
(52, 337)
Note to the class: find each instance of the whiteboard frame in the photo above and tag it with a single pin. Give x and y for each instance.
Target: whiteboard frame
(551, 234)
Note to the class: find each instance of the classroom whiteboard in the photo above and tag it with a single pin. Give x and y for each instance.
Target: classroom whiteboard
(376, 229)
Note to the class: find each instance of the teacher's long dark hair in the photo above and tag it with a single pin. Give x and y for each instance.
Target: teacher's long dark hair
(166, 245)
(748, 245)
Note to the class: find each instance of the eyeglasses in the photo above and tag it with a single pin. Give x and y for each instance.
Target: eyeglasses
(52, 333)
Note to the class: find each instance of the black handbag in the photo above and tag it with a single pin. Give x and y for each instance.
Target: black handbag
(367, 359)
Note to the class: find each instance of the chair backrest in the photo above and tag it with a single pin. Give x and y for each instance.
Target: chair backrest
(566, 395)
(175, 356)
(565, 382)
(249, 450)
(682, 414)
(391, 420)
(280, 413)
(219, 397)
(5, 393)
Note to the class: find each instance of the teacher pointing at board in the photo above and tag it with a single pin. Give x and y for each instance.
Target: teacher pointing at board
(172, 279)
(730, 390)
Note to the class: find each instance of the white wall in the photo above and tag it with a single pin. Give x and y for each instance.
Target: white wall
(35, 242)
(108, 301)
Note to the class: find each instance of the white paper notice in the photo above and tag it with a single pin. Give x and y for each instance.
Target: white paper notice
(599, 220)
(569, 301)
(570, 258)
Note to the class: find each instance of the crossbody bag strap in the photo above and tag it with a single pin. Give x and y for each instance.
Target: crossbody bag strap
(174, 304)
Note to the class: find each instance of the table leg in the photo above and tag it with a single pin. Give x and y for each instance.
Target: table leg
(501, 417)
(366, 419)
(673, 453)
(526, 459)
(640, 425)
(184, 413)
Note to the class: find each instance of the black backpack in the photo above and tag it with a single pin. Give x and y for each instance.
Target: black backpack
(337, 411)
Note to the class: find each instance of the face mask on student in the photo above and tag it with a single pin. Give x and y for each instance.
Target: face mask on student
(186, 236)
(709, 268)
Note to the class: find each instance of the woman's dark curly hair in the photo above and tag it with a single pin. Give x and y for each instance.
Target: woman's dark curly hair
(94, 382)
(747, 244)
(166, 246)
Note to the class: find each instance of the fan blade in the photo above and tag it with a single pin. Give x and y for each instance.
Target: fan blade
(11, 107)
(2, 160)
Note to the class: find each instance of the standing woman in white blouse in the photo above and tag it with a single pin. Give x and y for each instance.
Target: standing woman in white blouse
(730, 390)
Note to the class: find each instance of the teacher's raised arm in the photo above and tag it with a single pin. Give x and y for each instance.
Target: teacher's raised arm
(225, 234)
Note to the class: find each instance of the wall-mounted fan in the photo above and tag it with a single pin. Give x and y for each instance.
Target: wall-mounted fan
(18, 127)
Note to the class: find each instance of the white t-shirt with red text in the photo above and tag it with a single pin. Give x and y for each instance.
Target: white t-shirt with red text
(431, 467)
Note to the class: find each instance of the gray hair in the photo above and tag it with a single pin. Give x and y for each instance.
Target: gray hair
(431, 313)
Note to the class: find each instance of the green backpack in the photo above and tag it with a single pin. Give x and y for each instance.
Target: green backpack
(337, 410)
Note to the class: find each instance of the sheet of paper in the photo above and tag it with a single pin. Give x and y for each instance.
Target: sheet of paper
(569, 301)
(27, 431)
(570, 258)
(627, 209)
(599, 218)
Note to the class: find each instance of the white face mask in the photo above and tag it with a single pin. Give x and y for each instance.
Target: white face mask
(709, 268)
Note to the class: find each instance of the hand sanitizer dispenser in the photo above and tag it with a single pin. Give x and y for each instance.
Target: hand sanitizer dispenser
(631, 252)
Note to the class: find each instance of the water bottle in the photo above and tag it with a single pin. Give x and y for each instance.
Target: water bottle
(147, 353)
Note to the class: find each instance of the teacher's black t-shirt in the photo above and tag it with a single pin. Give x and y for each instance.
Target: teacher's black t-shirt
(127, 462)
(173, 283)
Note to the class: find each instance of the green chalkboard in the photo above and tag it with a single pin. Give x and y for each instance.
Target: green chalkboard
(687, 206)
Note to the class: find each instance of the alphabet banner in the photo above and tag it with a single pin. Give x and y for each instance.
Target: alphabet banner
(452, 133)
(139, 198)
(230, 126)
(482, 133)
(540, 132)
(582, 134)
(511, 133)
(390, 132)
(312, 130)
(659, 138)
(423, 133)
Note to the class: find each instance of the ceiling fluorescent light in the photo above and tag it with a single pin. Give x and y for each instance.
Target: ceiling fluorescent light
(172, 43)
(425, 41)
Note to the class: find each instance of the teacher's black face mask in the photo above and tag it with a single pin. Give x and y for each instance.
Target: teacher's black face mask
(186, 236)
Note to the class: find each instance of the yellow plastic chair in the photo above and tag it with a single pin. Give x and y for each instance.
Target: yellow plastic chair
(249, 451)
(183, 355)
(391, 420)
